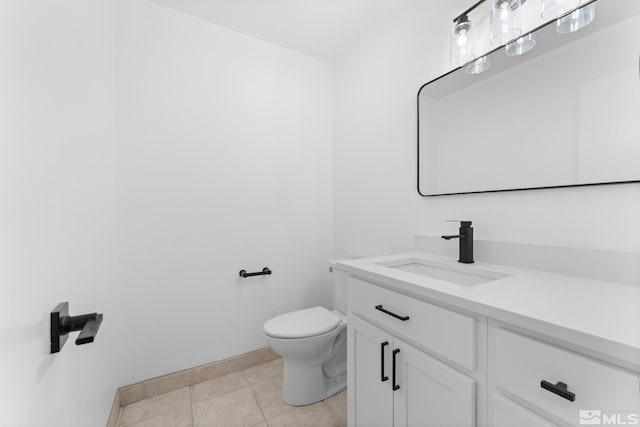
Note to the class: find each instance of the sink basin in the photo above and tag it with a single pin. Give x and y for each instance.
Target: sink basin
(460, 275)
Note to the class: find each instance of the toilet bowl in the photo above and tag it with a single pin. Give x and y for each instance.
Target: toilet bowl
(313, 346)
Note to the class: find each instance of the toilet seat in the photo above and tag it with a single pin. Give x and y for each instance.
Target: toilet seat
(302, 323)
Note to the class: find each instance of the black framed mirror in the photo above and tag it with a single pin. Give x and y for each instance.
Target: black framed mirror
(564, 114)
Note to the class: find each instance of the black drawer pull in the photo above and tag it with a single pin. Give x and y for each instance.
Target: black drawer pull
(383, 377)
(397, 316)
(559, 388)
(393, 372)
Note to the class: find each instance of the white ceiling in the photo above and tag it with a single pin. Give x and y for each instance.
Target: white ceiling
(319, 28)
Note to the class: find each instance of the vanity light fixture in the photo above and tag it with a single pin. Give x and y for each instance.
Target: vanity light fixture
(553, 9)
(506, 21)
(576, 20)
(521, 46)
(478, 66)
(462, 41)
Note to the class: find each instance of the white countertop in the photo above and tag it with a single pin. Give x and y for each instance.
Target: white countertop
(597, 315)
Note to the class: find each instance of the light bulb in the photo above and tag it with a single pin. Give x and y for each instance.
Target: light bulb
(462, 41)
(506, 21)
(504, 13)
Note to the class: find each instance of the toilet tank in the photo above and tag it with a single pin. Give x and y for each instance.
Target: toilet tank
(339, 286)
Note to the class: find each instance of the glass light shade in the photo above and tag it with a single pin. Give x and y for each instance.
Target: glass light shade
(577, 20)
(478, 66)
(552, 9)
(506, 21)
(522, 45)
(462, 42)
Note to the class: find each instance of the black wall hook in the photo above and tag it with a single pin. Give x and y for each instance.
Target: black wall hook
(265, 271)
(62, 324)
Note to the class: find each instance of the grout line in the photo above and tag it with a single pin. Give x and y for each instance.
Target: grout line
(335, 411)
(332, 412)
(193, 418)
(266, 378)
(218, 394)
(119, 416)
(255, 398)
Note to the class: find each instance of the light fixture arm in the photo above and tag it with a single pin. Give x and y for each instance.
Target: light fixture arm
(457, 19)
(468, 11)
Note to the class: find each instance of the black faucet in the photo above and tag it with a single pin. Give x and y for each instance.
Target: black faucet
(466, 242)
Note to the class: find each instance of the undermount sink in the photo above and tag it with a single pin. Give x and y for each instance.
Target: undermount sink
(446, 272)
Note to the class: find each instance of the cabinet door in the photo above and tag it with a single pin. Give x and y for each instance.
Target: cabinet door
(370, 398)
(431, 394)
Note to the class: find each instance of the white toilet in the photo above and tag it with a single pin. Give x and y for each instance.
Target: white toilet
(313, 346)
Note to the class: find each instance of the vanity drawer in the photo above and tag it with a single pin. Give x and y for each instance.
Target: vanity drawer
(507, 413)
(447, 333)
(522, 363)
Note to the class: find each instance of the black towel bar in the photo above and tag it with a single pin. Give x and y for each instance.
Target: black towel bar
(265, 271)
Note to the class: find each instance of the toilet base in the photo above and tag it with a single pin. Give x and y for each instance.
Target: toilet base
(315, 367)
(304, 385)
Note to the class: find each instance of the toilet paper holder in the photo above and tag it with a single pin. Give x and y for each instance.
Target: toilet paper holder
(62, 324)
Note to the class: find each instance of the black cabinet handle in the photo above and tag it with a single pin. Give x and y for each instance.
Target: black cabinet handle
(383, 377)
(559, 388)
(397, 316)
(393, 373)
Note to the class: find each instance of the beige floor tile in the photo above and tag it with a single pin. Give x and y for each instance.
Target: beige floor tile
(264, 371)
(234, 409)
(180, 417)
(316, 415)
(338, 404)
(147, 408)
(269, 396)
(224, 384)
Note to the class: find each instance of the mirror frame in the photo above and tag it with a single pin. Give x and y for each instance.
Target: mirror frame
(508, 189)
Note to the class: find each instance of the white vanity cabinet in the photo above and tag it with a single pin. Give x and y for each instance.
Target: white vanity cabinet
(554, 382)
(370, 391)
(416, 361)
(394, 383)
(506, 413)
(430, 394)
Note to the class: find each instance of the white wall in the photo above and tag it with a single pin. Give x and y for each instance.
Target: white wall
(224, 164)
(224, 161)
(57, 209)
(376, 207)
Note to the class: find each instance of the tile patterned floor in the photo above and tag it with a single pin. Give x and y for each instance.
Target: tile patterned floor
(248, 398)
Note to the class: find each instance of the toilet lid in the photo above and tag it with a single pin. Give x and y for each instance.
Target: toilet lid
(302, 323)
